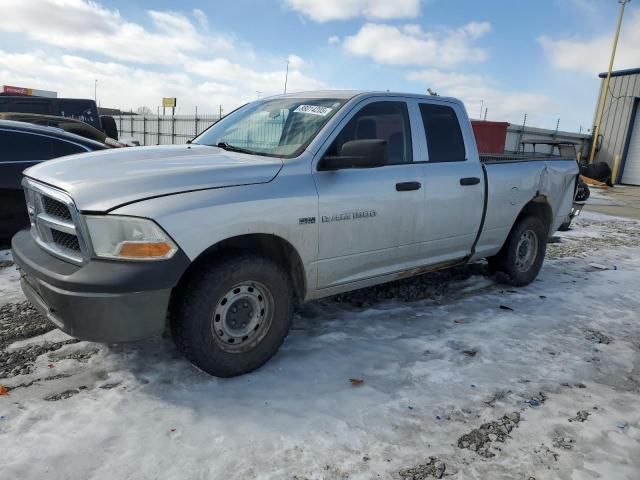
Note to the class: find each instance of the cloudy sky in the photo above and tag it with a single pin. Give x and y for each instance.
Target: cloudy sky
(540, 57)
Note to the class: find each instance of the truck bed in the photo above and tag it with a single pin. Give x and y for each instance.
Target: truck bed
(520, 157)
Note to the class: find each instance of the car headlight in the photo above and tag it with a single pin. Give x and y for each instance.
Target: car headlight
(128, 238)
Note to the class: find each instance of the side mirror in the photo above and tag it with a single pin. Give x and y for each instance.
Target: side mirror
(109, 126)
(358, 154)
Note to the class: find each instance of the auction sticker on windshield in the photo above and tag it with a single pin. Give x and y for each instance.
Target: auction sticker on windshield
(313, 110)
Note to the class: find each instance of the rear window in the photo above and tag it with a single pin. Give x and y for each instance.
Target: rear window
(444, 137)
(79, 110)
(42, 108)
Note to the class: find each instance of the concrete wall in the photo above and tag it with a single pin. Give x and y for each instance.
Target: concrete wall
(624, 91)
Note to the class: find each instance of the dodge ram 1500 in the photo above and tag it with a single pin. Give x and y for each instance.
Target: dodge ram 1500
(287, 199)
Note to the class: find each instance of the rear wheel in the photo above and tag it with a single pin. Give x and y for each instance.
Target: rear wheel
(232, 316)
(520, 259)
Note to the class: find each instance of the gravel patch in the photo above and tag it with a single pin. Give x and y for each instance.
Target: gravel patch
(62, 395)
(596, 336)
(19, 321)
(21, 360)
(563, 441)
(581, 416)
(481, 440)
(433, 468)
(614, 234)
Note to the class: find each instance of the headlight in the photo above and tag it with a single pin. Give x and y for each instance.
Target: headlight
(128, 238)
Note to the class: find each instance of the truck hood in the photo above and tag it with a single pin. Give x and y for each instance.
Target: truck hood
(103, 180)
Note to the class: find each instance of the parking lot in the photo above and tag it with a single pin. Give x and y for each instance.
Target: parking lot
(447, 375)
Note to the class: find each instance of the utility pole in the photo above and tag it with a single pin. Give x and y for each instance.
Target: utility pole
(286, 77)
(481, 107)
(95, 90)
(605, 86)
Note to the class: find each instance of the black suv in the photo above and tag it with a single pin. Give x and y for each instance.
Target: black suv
(21, 146)
(79, 108)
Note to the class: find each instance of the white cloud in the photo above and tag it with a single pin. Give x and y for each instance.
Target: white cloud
(410, 45)
(327, 10)
(333, 40)
(295, 62)
(592, 55)
(128, 87)
(201, 18)
(473, 90)
(87, 26)
(175, 57)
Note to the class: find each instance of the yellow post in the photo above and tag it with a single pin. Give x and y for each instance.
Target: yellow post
(605, 88)
(616, 165)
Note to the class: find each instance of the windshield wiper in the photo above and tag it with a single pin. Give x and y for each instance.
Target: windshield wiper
(232, 148)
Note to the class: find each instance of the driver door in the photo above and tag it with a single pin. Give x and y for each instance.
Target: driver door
(371, 220)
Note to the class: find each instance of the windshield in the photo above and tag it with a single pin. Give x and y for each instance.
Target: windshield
(281, 127)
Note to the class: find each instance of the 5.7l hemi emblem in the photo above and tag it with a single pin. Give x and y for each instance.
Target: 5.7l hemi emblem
(307, 220)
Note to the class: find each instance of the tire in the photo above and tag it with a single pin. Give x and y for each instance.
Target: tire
(220, 340)
(520, 259)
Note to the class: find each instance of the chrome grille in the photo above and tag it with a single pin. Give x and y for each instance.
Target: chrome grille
(56, 224)
(56, 208)
(65, 240)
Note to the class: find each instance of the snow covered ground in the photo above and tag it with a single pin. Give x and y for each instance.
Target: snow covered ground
(451, 366)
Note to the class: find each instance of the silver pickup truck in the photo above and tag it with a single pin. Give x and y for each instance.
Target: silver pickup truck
(285, 200)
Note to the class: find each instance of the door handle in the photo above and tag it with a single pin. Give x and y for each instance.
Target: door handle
(407, 186)
(469, 181)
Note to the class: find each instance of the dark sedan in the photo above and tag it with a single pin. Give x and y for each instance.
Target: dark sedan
(21, 146)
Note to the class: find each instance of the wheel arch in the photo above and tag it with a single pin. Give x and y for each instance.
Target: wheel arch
(270, 246)
(539, 207)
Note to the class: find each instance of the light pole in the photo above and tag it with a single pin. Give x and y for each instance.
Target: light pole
(286, 77)
(95, 90)
(605, 86)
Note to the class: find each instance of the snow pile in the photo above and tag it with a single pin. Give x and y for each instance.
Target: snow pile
(534, 381)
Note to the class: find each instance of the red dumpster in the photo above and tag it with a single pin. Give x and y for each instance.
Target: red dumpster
(490, 136)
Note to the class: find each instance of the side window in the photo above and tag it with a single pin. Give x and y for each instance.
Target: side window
(43, 108)
(62, 148)
(379, 120)
(19, 146)
(444, 137)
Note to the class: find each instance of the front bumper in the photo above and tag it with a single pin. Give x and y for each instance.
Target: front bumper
(102, 301)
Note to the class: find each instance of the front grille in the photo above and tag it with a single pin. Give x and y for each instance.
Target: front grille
(65, 240)
(56, 208)
(55, 222)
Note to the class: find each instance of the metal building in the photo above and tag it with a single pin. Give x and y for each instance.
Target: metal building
(619, 140)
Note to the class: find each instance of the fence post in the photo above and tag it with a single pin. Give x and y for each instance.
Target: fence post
(158, 129)
(144, 129)
(196, 134)
(131, 117)
(173, 129)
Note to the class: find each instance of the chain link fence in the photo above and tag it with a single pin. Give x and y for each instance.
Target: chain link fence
(163, 129)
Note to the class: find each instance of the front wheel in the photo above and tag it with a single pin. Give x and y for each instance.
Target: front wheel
(520, 259)
(232, 315)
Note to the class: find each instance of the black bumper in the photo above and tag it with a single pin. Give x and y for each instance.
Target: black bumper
(102, 301)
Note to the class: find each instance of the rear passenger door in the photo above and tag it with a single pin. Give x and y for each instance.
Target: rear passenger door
(454, 181)
(370, 219)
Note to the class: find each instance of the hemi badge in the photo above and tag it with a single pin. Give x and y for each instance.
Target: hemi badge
(307, 220)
